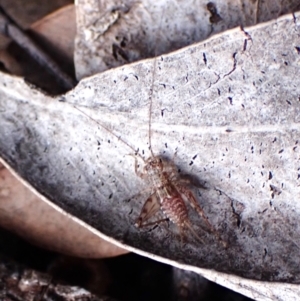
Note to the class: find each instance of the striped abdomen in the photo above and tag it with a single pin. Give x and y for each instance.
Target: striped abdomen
(175, 209)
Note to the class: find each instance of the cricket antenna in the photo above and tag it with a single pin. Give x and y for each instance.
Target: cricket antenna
(151, 90)
(150, 106)
(110, 131)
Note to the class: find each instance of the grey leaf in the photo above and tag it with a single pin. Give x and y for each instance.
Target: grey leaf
(237, 110)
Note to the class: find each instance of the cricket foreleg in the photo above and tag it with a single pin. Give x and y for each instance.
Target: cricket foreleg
(136, 168)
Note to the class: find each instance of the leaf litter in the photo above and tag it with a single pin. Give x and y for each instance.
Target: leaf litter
(88, 172)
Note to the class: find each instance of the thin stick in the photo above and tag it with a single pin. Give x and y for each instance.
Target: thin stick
(10, 29)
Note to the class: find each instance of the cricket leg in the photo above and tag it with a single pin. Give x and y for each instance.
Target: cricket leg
(136, 167)
(150, 208)
(193, 202)
(182, 235)
(154, 223)
(188, 225)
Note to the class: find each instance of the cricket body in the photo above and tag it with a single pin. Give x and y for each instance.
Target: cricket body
(169, 192)
(169, 195)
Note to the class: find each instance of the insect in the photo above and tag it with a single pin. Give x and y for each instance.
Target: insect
(169, 196)
(169, 192)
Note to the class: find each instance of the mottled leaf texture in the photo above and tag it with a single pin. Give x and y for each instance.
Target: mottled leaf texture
(228, 107)
(113, 32)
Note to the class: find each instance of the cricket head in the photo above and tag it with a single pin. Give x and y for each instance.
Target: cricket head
(154, 165)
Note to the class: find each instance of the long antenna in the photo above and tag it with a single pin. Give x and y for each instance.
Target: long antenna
(150, 106)
(109, 131)
(151, 89)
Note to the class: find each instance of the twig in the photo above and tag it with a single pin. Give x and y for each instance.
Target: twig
(10, 29)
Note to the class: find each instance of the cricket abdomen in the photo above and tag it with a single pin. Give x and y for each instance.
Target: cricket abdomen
(175, 209)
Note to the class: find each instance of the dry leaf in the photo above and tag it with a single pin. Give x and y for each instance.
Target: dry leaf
(112, 33)
(233, 101)
(237, 110)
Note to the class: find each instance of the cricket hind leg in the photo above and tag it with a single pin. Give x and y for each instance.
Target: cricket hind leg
(150, 208)
(189, 226)
(157, 222)
(193, 202)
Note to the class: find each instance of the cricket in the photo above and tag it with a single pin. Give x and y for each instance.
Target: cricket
(170, 195)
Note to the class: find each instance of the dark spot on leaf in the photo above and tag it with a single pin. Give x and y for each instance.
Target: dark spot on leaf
(215, 17)
(245, 44)
(204, 58)
(270, 175)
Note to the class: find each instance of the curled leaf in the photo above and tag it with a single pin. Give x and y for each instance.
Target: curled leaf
(228, 107)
